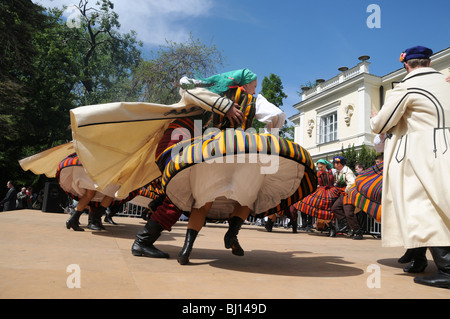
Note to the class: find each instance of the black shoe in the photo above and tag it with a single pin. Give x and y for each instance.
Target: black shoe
(93, 223)
(183, 256)
(418, 262)
(230, 238)
(294, 227)
(98, 213)
(438, 280)
(416, 266)
(441, 279)
(269, 225)
(143, 245)
(407, 257)
(74, 221)
(108, 217)
(139, 249)
(359, 234)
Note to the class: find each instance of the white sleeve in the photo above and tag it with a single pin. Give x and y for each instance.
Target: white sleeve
(378, 142)
(269, 114)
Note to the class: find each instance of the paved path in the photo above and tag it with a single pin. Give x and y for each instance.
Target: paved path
(36, 250)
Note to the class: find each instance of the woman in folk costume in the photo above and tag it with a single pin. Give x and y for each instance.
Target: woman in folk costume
(73, 179)
(222, 174)
(167, 214)
(101, 140)
(319, 203)
(416, 207)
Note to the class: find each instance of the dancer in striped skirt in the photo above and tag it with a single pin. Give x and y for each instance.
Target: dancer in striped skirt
(221, 174)
(319, 203)
(225, 109)
(76, 183)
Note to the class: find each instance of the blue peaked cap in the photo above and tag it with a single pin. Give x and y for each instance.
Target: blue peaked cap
(418, 52)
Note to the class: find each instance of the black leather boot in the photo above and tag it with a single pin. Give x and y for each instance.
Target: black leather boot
(441, 279)
(407, 257)
(143, 245)
(183, 256)
(294, 226)
(269, 225)
(93, 219)
(109, 214)
(74, 221)
(418, 262)
(98, 214)
(230, 239)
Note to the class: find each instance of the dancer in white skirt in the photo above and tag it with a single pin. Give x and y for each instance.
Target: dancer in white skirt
(223, 174)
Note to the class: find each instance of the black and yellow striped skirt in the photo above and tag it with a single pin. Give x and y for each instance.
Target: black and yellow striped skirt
(232, 167)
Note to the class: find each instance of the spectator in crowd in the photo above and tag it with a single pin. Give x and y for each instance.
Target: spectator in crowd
(9, 202)
(359, 168)
(22, 198)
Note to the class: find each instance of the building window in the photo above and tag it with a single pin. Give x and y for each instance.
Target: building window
(328, 128)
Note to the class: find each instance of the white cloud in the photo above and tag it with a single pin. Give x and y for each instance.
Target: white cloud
(153, 20)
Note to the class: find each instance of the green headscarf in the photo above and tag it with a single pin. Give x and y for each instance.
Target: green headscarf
(326, 163)
(221, 82)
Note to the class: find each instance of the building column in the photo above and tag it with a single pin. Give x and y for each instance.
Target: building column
(364, 111)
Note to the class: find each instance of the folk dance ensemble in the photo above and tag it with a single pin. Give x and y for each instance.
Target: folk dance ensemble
(73, 179)
(99, 134)
(167, 214)
(416, 210)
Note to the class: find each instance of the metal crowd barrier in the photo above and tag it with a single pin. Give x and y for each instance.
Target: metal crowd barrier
(131, 210)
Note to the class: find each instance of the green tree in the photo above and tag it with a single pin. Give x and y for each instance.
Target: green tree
(104, 58)
(272, 90)
(49, 67)
(154, 79)
(366, 156)
(20, 21)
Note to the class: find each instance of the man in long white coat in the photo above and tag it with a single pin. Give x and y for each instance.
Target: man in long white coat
(416, 201)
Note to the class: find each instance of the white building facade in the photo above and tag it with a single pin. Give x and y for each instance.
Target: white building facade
(336, 113)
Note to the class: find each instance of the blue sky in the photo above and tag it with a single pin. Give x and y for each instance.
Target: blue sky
(297, 40)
